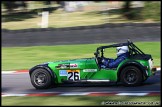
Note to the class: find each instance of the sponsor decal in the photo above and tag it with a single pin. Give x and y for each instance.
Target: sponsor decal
(90, 70)
(62, 72)
(66, 66)
(73, 65)
(63, 66)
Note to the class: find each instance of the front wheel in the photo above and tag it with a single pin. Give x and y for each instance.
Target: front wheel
(131, 76)
(41, 79)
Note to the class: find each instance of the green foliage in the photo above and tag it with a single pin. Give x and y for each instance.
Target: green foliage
(152, 10)
(11, 5)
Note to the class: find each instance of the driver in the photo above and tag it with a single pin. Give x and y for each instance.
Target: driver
(122, 54)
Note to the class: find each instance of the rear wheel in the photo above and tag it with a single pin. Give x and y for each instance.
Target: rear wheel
(131, 76)
(41, 79)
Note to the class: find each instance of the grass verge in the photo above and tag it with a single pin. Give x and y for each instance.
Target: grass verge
(15, 58)
(81, 100)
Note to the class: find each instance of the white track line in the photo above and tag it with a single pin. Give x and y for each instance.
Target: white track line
(8, 72)
(74, 93)
(132, 94)
(8, 95)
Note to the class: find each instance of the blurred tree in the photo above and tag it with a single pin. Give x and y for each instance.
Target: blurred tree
(126, 7)
(24, 4)
(127, 10)
(131, 13)
(61, 3)
(11, 5)
(47, 2)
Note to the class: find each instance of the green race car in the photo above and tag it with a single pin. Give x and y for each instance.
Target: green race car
(131, 72)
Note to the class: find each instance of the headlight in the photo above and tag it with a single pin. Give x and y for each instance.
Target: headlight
(150, 63)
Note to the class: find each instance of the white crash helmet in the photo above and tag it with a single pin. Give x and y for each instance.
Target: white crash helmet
(121, 50)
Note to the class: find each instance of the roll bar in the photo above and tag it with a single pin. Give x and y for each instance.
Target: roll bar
(133, 49)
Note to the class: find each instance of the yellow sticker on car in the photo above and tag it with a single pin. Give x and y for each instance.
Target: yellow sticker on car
(73, 70)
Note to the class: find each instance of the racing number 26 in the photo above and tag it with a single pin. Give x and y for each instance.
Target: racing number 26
(73, 76)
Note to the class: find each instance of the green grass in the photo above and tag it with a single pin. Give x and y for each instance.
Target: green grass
(60, 19)
(152, 11)
(15, 58)
(79, 100)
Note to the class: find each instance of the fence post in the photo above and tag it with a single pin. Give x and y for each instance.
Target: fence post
(44, 23)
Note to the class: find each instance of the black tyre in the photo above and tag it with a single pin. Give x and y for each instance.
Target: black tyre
(131, 76)
(41, 79)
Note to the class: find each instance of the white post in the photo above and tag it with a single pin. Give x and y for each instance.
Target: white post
(44, 23)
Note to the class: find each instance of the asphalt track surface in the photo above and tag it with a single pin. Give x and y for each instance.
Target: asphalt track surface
(82, 36)
(19, 83)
